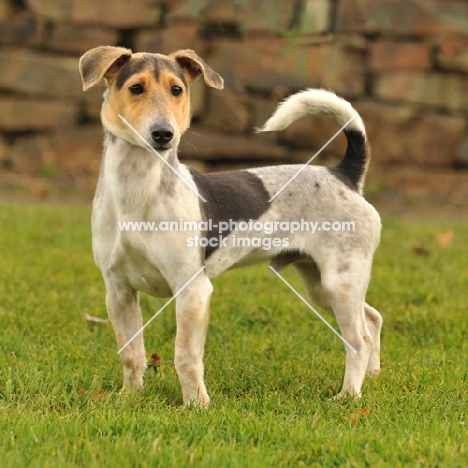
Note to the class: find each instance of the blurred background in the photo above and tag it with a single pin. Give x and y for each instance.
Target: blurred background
(403, 65)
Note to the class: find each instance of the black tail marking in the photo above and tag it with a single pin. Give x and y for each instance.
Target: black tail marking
(354, 164)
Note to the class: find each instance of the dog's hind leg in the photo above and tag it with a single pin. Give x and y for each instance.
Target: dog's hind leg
(347, 292)
(311, 280)
(192, 312)
(124, 312)
(374, 322)
(343, 295)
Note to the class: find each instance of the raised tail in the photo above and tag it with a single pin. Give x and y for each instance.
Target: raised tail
(320, 101)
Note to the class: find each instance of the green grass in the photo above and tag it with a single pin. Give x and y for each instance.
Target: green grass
(271, 367)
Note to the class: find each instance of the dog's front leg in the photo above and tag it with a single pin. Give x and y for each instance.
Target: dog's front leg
(124, 312)
(192, 311)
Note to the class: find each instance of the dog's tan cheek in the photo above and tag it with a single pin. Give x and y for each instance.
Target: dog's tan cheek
(107, 115)
(137, 114)
(111, 110)
(118, 103)
(183, 115)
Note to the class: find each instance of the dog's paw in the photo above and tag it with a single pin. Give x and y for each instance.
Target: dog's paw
(131, 385)
(347, 394)
(374, 372)
(200, 401)
(132, 380)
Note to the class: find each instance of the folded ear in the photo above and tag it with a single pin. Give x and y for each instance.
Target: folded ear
(101, 62)
(193, 66)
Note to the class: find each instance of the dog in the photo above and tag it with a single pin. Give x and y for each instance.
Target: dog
(146, 110)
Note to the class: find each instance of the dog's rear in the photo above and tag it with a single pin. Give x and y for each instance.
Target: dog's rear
(321, 102)
(337, 277)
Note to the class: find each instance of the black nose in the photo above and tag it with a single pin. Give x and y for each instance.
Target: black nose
(162, 135)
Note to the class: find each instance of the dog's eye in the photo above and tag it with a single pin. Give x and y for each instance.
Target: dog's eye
(136, 89)
(176, 90)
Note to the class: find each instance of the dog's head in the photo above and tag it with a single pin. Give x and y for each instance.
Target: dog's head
(150, 91)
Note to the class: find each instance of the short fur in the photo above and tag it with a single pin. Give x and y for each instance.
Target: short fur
(135, 185)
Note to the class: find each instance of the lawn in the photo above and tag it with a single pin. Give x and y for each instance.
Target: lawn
(271, 366)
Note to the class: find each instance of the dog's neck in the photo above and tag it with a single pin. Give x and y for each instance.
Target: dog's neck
(133, 176)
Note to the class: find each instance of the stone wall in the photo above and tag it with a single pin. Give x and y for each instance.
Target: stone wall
(404, 65)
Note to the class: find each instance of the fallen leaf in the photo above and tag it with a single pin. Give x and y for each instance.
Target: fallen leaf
(82, 392)
(42, 194)
(421, 251)
(360, 412)
(90, 318)
(98, 395)
(444, 238)
(154, 362)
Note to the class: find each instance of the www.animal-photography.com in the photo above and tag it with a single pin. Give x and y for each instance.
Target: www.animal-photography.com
(233, 233)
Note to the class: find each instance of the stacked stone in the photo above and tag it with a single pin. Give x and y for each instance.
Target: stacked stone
(403, 65)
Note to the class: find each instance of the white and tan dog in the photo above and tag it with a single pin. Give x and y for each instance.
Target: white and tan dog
(151, 92)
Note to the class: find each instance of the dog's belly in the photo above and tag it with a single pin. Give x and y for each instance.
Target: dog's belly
(149, 281)
(231, 258)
